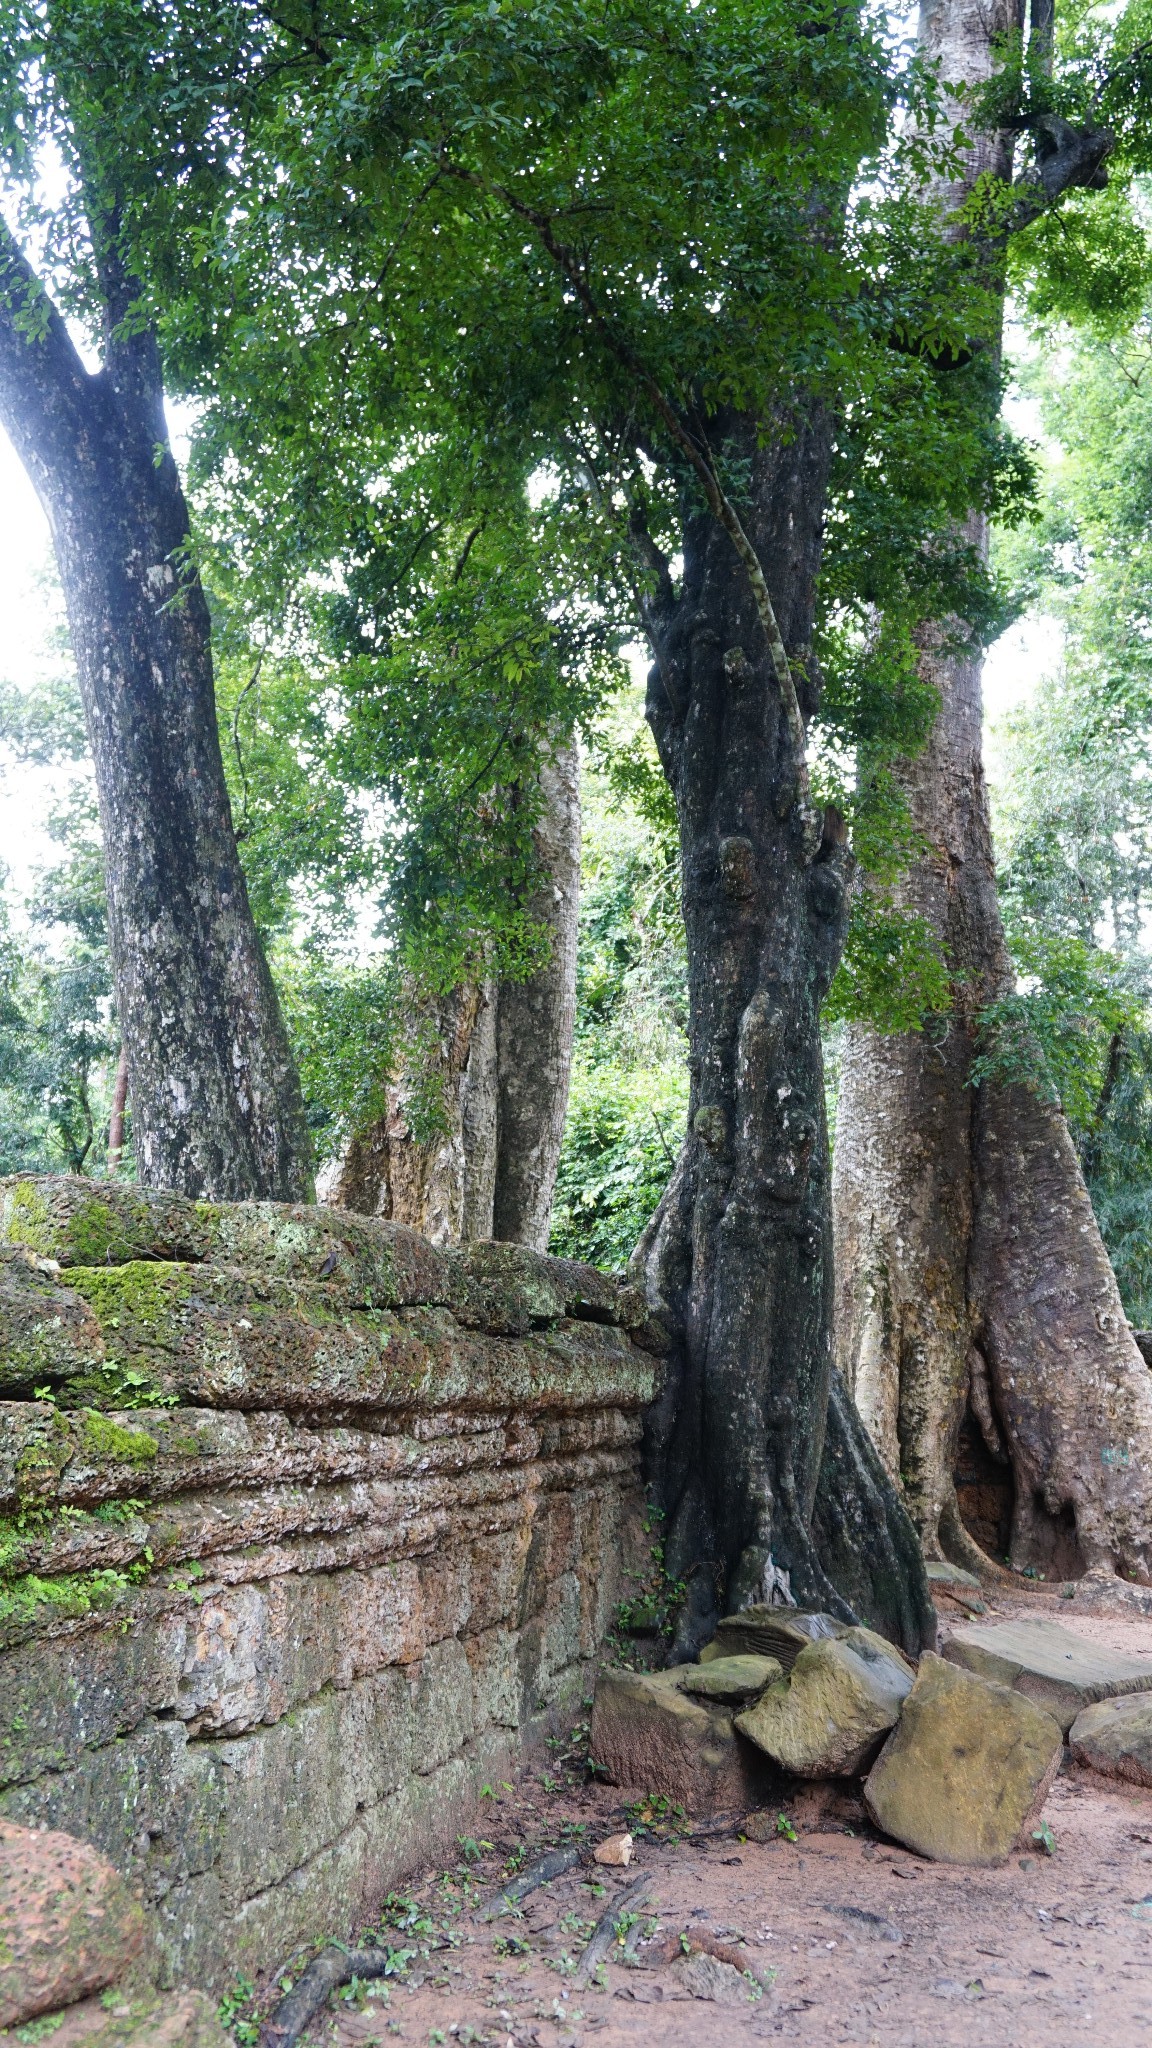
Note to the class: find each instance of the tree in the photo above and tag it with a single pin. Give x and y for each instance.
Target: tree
(497, 1055)
(632, 236)
(216, 1102)
(1074, 819)
(971, 1271)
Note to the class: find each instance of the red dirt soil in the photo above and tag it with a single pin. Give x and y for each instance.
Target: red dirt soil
(854, 1940)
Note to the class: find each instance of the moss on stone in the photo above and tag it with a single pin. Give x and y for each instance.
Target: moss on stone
(28, 1601)
(26, 1218)
(106, 1439)
(144, 1290)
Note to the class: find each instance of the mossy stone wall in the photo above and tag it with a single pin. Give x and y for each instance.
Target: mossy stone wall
(305, 1529)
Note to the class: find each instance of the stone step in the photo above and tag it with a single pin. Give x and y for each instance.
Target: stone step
(1059, 1670)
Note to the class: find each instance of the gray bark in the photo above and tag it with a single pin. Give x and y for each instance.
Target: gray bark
(974, 1291)
(535, 1023)
(216, 1104)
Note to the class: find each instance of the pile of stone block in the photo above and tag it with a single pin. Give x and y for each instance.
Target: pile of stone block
(956, 1755)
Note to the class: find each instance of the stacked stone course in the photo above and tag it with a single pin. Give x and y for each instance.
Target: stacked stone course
(309, 1528)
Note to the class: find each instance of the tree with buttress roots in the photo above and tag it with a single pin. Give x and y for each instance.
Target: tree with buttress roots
(217, 1108)
(971, 1272)
(657, 269)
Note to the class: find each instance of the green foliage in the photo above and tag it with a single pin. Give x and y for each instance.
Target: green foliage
(628, 1103)
(892, 973)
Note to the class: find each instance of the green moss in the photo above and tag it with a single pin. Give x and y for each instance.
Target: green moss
(111, 1384)
(94, 1232)
(106, 1439)
(146, 1290)
(28, 1219)
(29, 1600)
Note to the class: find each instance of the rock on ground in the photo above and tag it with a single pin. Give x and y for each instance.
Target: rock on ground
(68, 1924)
(732, 1680)
(780, 1632)
(1060, 1671)
(1115, 1737)
(648, 1734)
(967, 1768)
(703, 1976)
(843, 1696)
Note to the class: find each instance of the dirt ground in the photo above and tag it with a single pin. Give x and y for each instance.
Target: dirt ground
(833, 1937)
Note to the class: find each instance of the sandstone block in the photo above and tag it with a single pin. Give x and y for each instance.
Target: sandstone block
(779, 1632)
(939, 1573)
(68, 1924)
(441, 1707)
(845, 1693)
(731, 1680)
(1115, 1737)
(966, 1769)
(649, 1735)
(1048, 1664)
(151, 1802)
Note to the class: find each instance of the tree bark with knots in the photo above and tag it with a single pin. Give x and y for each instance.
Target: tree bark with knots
(217, 1108)
(764, 1472)
(974, 1293)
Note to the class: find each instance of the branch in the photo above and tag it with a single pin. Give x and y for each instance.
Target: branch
(46, 394)
(1065, 157)
(719, 504)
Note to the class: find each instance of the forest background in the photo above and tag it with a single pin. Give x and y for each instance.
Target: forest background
(1072, 805)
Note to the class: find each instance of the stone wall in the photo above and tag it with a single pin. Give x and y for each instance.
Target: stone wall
(308, 1528)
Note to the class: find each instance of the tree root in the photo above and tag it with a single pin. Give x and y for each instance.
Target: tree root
(325, 1974)
(553, 1863)
(864, 1536)
(604, 1932)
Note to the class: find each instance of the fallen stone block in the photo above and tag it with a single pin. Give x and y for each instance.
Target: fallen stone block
(1048, 1664)
(967, 1768)
(780, 1632)
(844, 1694)
(68, 1924)
(939, 1573)
(648, 1734)
(731, 1680)
(1115, 1737)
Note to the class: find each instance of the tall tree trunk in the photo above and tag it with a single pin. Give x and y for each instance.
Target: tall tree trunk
(974, 1291)
(535, 1023)
(762, 1468)
(217, 1108)
(501, 1056)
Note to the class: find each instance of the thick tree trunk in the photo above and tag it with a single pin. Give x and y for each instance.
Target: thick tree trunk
(502, 1058)
(216, 1104)
(974, 1292)
(766, 1485)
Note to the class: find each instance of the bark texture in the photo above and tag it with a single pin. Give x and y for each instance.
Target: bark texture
(502, 1057)
(764, 1472)
(974, 1290)
(216, 1104)
(441, 1186)
(535, 1023)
